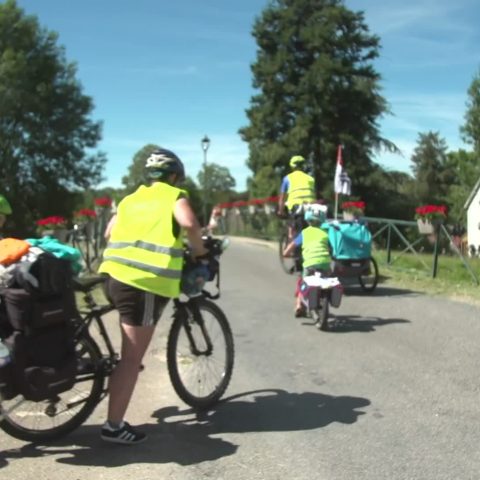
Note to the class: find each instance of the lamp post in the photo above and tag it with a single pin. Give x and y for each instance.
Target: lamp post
(205, 144)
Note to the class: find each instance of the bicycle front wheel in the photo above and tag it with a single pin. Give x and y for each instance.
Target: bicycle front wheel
(58, 416)
(200, 360)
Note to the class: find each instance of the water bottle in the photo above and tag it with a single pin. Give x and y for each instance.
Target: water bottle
(5, 357)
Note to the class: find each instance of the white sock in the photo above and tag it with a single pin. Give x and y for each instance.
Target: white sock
(113, 426)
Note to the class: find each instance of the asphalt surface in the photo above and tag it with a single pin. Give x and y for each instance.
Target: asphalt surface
(390, 393)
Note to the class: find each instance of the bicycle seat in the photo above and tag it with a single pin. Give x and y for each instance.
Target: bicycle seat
(86, 284)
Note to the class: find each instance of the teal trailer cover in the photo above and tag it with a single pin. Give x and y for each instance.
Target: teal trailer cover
(350, 241)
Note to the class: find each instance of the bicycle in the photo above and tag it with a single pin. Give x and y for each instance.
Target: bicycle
(320, 290)
(200, 358)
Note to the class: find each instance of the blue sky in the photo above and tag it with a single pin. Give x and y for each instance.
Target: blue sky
(170, 72)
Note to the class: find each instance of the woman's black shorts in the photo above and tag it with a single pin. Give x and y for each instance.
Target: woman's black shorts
(136, 307)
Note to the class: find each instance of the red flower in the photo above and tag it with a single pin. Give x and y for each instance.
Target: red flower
(430, 212)
(51, 222)
(103, 202)
(86, 212)
(354, 207)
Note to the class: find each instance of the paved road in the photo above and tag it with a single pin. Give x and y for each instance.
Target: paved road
(391, 393)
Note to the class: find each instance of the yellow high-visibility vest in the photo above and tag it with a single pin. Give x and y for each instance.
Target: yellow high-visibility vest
(143, 251)
(301, 189)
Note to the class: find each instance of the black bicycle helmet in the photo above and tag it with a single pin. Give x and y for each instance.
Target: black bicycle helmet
(162, 162)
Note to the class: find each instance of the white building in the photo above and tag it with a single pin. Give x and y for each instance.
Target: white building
(472, 206)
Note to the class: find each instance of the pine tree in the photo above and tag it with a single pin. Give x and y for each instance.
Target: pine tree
(317, 88)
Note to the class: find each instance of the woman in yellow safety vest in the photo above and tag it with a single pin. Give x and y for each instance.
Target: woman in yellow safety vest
(143, 261)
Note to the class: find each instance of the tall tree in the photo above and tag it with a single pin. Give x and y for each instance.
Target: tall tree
(46, 135)
(430, 168)
(471, 129)
(465, 171)
(216, 184)
(317, 88)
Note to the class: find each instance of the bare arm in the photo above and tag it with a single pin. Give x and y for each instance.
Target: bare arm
(289, 249)
(108, 230)
(185, 217)
(281, 203)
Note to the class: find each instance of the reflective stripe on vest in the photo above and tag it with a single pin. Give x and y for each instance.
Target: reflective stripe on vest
(163, 272)
(151, 247)
(143, 251)
(301, 189)
(314, 247)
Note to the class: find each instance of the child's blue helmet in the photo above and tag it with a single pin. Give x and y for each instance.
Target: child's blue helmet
(315, 213)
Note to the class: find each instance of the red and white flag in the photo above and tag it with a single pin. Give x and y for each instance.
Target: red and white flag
(342, 183)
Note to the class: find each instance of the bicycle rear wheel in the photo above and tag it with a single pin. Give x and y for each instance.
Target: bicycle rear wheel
(369, 282)
(58, 416)
(200, 375)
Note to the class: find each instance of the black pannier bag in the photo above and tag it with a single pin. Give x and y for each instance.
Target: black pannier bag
(42, 316)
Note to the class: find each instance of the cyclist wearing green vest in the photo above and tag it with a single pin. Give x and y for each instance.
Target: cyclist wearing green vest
(144, 261)
(313, 241)
(5, 209)
(297, 188)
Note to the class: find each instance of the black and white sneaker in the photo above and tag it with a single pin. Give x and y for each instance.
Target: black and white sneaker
(124, 435)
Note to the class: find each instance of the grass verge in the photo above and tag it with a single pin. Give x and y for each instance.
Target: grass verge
(414, 272)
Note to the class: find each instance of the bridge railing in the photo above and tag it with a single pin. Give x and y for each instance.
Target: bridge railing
(395, 237)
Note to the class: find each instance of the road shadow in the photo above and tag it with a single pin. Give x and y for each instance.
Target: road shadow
(355, 323)
(268, 411)
(183, 436)
(164, 445)
(355, 290)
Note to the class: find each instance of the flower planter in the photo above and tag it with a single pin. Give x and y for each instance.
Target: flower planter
(269, 209)
(61, 234)
(426, 227)
(88, 228)
(350, 216)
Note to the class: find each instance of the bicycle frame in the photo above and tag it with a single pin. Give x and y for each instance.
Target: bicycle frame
(181, 311)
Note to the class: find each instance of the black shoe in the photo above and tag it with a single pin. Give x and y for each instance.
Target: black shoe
(300, 312)
(125, 435)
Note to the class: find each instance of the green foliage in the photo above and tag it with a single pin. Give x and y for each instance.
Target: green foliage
(430, 168)
(316, 88)
(471, 129)
(46, 135)
(465, 169)
(216, 184)
(194, 195)
(217, 180)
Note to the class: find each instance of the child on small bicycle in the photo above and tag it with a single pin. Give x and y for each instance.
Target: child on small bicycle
(313, 241)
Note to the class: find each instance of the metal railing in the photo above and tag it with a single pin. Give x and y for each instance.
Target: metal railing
(396, 236)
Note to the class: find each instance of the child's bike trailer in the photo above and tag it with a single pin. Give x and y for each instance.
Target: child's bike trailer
(351, 244)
